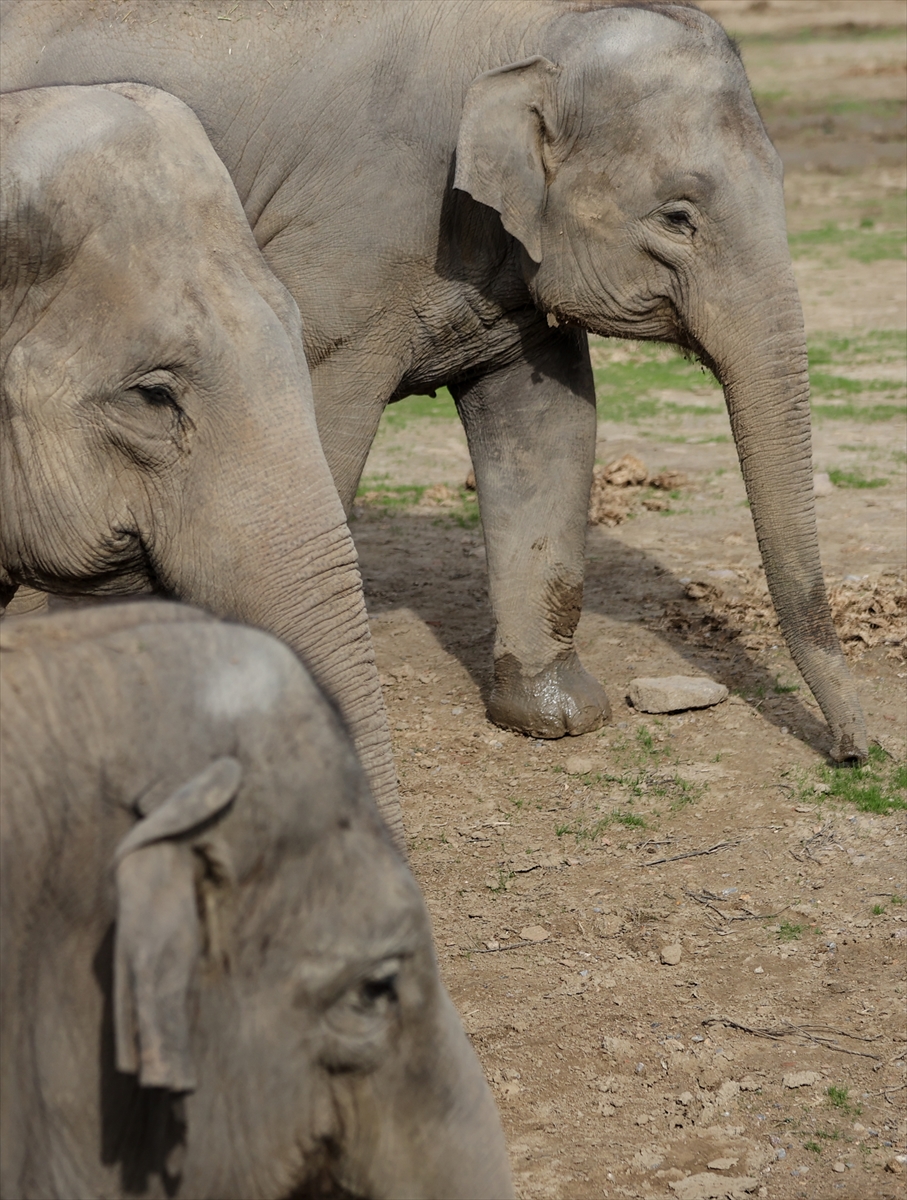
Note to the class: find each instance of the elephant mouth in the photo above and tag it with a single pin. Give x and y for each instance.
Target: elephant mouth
(323, 1186)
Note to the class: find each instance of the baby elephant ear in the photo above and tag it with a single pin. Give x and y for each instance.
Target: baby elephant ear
(500, 156)
(158, 937)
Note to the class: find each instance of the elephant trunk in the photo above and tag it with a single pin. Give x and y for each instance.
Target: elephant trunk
(762, 365)
(280, 557)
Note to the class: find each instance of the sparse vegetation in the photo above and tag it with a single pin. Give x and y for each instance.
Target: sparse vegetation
(878, 787)
(854, 479)
(838, 1098)
(788, 932)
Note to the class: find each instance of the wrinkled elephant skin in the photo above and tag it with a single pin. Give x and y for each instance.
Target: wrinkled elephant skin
(158, 429)
(454, 193)
(218, 974)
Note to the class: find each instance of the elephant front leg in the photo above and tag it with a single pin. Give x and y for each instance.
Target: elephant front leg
(531, 430)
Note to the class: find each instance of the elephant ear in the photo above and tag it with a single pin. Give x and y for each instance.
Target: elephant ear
(500, 146)
(158, 937)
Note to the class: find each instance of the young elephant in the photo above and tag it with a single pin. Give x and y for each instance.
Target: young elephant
(219, 981)
(158, 430)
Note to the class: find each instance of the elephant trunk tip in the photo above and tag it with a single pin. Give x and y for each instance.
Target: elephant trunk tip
(850, 748)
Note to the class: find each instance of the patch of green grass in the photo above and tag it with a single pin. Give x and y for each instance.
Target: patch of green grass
(896, 899)
(838, 1098)
(401, 413)
(783, 689)
(859, 412)
(376, 495)
(854, 479)
(877, 909)
(788, 932)
(390, 497)
(879, 786)
(865, 243)
(873, 346)
(813, 1146)
(625, 389)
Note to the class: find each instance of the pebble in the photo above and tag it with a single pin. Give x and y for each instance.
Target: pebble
(671, 955)
(713, 1187)
(534, 933)
(796, 1079)
(577, 764)
(674, 693)
(839, 1167)
(822, 484)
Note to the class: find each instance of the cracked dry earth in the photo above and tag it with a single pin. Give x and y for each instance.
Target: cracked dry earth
(679, 957)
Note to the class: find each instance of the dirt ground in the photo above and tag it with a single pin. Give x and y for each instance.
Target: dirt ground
(676, 943)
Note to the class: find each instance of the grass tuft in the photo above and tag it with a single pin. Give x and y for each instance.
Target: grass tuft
(854, 479)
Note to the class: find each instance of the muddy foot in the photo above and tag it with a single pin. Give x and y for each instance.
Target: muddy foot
(563, 698)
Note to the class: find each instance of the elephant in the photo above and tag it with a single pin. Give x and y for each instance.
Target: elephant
(456, 194)
(158, 426)
(218, 974)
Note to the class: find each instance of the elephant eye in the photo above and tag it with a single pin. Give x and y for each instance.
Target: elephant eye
(680, 220)
(157, 395)
(379, 990)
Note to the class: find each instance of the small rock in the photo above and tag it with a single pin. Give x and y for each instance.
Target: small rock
(722, 1164)
(576, 764)
(759, 971)
(671, 955)
(894, 1167)
(839, 1167)
(713, 1187)
(822, 485)
(674, 693)
(534, 933)
(796, 1079)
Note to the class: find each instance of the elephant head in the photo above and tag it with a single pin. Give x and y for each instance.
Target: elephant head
(631, 164)
(219, 978)
(158, 426)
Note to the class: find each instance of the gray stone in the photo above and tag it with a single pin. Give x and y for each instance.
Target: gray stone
(671, 955)
(673, 693)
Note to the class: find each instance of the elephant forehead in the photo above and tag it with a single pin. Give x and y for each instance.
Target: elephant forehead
(246, 683)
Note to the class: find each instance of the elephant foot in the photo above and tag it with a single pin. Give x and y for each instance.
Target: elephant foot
(562, 698)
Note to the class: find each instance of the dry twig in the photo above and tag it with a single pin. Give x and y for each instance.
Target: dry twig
(655, 862)
(812, 1033)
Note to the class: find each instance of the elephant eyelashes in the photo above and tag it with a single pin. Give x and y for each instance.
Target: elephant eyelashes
(378, 992)
(157, 396)
(680, 220)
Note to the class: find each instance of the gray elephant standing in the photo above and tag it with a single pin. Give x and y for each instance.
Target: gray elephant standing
(454, 193)
(218, 974)
(158, 431)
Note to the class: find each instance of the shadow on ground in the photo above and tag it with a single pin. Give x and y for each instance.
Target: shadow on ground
(437, 570)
